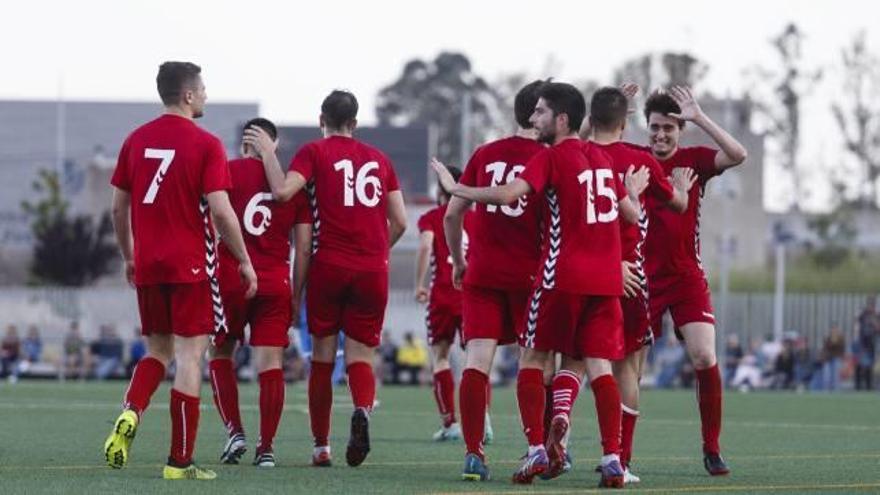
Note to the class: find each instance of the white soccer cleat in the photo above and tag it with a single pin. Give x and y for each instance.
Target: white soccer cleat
(451, 432)
(629, 478)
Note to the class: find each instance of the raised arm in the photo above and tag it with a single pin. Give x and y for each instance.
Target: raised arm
(732, 152)
(283, 186)
(230, 231)
(498, 195)
(636, 182)
(396, 212)
(122, 226)
(423, 259)
(453, 226)
(302, 244)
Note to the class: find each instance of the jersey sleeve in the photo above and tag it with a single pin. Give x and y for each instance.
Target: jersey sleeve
(659, 186)
(215, 171)
(303, 210)
(122, 174)
(424, 223)
(704, 162)
(303, 162)
(537, 171)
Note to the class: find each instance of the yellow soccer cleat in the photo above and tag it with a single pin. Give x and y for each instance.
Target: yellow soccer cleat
(117, 444)
(191, 472)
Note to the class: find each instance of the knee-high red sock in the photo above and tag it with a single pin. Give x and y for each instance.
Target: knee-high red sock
(147, 376)
(566, 386)
(184, 426)
(709, 397)
(530, 395)
(362, 384)
(608, 410)
(320, 401)
(474, 400)
(548, 408)
(225, 388)
(444, 394)
(627, 432)
(271, 405)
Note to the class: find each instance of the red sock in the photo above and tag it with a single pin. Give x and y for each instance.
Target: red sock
(627, 432)
(271, 405)
(362, 384)
(566, 386)
(530, 396)
(607, 398)
(320, 401)
(225, 387)
(709, 397)
(147, 376)
(473, 396)
(184, 425)
(548, 409)
(444, 393)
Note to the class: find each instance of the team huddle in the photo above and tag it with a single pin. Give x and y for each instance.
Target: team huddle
(577, 246)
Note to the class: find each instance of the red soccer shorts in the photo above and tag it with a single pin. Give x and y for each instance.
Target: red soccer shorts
(579, 326)
(495, 314)
(184, 310)
(687, 297)
(343, 299)
(444, 316)
(268, 315)
(636, 323)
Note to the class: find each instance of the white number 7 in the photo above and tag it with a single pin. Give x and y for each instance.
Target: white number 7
(166, 156)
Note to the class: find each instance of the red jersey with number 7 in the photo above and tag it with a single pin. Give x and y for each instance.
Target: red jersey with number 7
(581, 251)
(265, 226)
(506, 246)
(348, 184)
(168, 165)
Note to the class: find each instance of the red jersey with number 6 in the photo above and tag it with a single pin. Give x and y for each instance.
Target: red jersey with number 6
(168, 165)
(581, 252)
(506, 246)
(265, 225)
(348, 185)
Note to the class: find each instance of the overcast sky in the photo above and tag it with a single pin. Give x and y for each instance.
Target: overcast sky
(287, 55)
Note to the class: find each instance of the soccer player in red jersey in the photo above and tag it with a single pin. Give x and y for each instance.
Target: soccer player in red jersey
(607, 120)
(574, 308)
(358, 214)
(503, 257)
(267, 227)
(171, 178)
(444, 308)
(676, 280)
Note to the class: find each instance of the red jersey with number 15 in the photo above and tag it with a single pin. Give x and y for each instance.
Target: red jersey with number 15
(506, 246)
(265, 226)
(581, 251)
(168, 165)
(348, 186)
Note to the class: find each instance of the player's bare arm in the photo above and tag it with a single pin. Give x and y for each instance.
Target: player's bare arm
(122, 226)
(732, 152)
(227, 224)
(283, 186)
(682, 180)
(396, 212)
(498, 195)
(302, 244)
(426, 242)
(453, 226)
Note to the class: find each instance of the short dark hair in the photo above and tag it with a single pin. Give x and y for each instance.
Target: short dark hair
(264, 124)
(608, 108)
(173, 78)
(339, 109)
(567, 99)
(456, 174)
(524, 103)
(661, 102)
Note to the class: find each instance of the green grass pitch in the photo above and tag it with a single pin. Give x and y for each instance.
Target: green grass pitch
(51, 436)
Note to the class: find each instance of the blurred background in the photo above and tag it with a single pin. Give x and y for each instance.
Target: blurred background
(790, 240)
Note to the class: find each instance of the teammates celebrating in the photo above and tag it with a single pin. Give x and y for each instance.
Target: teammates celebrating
(576, 248)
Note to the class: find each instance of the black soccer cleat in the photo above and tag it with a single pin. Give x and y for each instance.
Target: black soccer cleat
(715, 465)
(359, 441)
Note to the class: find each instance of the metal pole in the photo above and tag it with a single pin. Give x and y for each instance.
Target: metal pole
(779, 296)
(465, 151)
(726, 245)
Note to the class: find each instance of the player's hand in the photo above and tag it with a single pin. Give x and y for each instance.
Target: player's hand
(636, 182)
(129, 272)
(683, 178)
(458, 275)
(248, 278)
(443, 176)
(630, 90)
(690, 109)
(260, 140)
(421, 295)
(631, 284)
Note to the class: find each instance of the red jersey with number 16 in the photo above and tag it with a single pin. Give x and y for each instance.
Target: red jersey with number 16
(506, 246)
(348, 185)
(265, 226)
(581, 251)
(168, 165)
